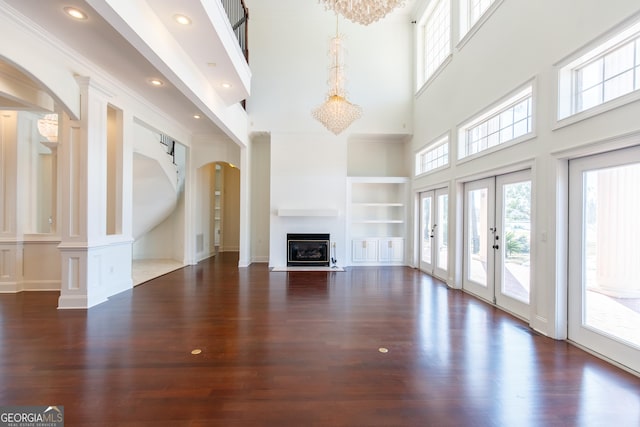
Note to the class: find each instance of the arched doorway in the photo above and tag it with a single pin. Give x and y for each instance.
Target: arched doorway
(218, 209)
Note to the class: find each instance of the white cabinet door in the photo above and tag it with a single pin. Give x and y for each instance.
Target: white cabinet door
(365, 250)
(391, 250)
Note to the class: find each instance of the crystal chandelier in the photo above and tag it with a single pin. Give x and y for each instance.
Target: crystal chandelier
(336, 113)
(362, 11)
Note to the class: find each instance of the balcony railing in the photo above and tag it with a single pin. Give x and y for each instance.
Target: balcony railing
(238, 17)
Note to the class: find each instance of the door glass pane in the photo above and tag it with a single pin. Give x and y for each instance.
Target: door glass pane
(426, 230)
(442, 230)
(516, 240)
(477, 250)
(611, 252)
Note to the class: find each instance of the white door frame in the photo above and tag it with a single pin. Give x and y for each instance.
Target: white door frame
(578, 331)
(432, 265)
(492, 243)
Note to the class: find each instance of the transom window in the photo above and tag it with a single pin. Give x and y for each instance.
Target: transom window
(434, 156)
(436, 37)
(595, 80)
(511, 120)
(609, 76)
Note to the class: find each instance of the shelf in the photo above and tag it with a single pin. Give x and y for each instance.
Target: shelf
(379, 204)
(378, 221)
(308, 212)
(377, 218)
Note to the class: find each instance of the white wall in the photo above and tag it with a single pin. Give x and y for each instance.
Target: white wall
(307, 173)
(523, 40)
(260, 197)
(289, 44)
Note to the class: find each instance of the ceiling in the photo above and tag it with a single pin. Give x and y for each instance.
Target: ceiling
(106, 41)
(103, 44)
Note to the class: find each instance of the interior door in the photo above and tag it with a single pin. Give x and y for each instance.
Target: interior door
(434, 220)
(497, 239)
(604, 254)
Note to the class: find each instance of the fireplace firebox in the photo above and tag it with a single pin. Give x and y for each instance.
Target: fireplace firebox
(311, 249)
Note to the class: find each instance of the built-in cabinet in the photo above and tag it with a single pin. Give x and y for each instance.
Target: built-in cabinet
(377, 219)
(217, 207)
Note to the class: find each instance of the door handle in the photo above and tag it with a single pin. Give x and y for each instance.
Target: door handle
(496, 246)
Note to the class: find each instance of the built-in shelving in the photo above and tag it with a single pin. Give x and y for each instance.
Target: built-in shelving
(377, 219)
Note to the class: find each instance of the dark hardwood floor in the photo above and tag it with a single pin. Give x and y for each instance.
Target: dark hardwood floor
(300, 349)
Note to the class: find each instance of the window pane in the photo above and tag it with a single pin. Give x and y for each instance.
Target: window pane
(520, 128)
(494, 124)
(618, 86)
(494, 139)
(611, 252)
(477, 8)
(520, 111)
(499, 127)
(436, 38)
(477, 249)
(591, 98)
(443, 218)
(426, 230)
(506, 118)
(619, 61)
(517, 240)
(506, 134)
(590, 75)
(433, 158)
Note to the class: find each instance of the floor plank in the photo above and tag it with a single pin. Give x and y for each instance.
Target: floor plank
(300, 349)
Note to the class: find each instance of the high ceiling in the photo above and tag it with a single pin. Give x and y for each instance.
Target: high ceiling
(104, 41)
(109, 43)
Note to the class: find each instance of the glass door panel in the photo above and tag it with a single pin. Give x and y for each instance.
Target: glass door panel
(604, 284)
(426, 225)
(442, 233)
(513, 247)
(434, 208)
(479, 230)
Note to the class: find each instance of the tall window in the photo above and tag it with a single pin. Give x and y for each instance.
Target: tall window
(436, 37)
(470, 13)
(606, 72)
(510, 120)
(434, 156)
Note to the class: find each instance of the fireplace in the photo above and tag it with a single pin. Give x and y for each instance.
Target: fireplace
(305, 250)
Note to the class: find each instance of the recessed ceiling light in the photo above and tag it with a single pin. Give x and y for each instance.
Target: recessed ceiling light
(196, 116)
(75, 13)
(182, 19)
(156, 82)
(226, 85)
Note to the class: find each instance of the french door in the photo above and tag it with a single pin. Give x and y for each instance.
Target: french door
(604, 255)
(497, 240)
(434, 244)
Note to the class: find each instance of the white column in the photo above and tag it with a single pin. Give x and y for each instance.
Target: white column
(245, 206)
(10, 206)
(94, 265)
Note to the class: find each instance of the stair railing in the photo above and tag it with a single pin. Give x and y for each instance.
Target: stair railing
(238, 15)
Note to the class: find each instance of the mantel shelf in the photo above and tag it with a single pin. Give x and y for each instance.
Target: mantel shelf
(378, 221)
(308, 212)
(379, 204)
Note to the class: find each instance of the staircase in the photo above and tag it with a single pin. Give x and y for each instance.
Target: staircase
(156, 181)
